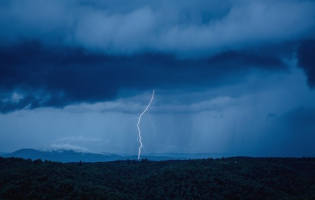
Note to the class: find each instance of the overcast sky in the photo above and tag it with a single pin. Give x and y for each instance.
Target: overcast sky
(232, 77)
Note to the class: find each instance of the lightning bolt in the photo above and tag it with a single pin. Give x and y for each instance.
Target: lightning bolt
(138, 124)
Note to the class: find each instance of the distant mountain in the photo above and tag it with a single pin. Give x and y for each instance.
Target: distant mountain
(72, 156)
(3, 153)
(62, 156)
(185, 156)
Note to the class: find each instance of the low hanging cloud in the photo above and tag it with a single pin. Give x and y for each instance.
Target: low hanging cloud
(67, 147)
(75, 143)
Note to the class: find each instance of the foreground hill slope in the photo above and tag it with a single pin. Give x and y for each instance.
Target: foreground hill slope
(226, 178)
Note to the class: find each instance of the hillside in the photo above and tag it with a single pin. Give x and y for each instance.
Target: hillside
(225, 178)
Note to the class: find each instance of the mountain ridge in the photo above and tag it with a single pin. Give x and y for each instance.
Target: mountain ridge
(74, 156)
(61, 155)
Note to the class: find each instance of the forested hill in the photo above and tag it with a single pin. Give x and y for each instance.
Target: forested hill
(225, 178)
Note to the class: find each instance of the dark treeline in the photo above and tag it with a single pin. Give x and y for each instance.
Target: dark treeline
(225, 178)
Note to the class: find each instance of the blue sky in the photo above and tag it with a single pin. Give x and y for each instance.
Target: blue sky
(229, 77)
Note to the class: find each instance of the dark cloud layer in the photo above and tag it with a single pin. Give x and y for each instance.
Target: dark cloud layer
(306, 57)
(57, 53)
(294, 132)
(61, 76)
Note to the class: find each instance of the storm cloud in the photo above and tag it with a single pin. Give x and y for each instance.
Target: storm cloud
(292, 133)
(178, 27)
(229, 76)
(59, 53)
(306, 55)
(58, 77)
